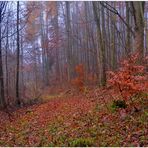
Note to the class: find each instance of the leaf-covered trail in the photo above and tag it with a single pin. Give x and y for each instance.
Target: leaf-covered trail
(63, 121)
(39, 116)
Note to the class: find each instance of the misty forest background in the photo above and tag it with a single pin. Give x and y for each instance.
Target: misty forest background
(41, 43)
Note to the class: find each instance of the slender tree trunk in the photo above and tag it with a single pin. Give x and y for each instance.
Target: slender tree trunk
(57, 41)
(22, 72)
(108, 55)
(87, 34)
(146, 40)
(113, 43)
(18, 59)
(2, 96)
(103, 50)
(69, 46)
(6, 58)
(128, 40)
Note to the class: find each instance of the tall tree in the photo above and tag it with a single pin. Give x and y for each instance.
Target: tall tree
(2, 95)
(56, 32)
(69, 45)
(102, 53)
(128, 36)
(18, 58)
(113, 40)
(138, 14)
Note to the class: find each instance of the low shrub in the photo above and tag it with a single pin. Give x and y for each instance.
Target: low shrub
(130, 80)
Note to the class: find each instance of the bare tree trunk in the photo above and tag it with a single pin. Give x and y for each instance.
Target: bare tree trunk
(87, 34)
(138, 14)
(128, 43)
(2, 95)
(113, 43)
(57, 39)
(69, 46)
(146, 34)
(103, 49)
(44, 39)
(102, 45)
(18, 59)
(6, 57)
(22, 72)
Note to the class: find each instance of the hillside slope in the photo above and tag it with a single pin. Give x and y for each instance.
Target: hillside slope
(75, 121)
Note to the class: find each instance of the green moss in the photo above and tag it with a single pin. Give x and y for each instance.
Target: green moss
(144, 95)
(50, 145)
(81, 142)
(2, 143)
(146, 113)
(143, 119)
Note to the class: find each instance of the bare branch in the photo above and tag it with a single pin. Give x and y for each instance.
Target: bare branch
(113, 10)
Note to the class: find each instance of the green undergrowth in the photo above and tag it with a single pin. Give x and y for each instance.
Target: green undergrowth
(81, 142)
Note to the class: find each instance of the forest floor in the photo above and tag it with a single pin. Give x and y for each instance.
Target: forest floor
(76, 120)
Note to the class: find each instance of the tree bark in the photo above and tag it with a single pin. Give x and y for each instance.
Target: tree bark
(128, 40)
(138, 14)
(18, 59)
(2, 95)
(102, 46)
(69, 46)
